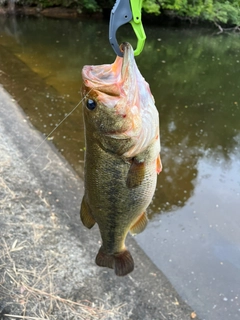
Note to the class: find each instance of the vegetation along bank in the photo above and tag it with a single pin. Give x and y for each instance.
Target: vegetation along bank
(224, 14)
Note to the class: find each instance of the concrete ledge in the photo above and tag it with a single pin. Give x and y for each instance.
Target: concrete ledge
(47, 256)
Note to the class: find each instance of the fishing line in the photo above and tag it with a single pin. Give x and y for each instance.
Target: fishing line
(57, 126)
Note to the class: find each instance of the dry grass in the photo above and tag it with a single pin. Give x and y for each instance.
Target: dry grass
(30, 292)
(33, 277)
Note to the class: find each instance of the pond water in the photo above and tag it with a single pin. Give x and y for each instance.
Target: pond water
(194, 230)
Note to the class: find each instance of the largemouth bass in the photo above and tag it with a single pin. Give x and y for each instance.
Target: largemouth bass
(122, 155)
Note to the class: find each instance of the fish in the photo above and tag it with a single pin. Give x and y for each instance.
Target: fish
(122, 155)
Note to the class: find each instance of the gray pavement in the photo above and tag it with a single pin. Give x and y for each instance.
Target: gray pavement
(41, 234)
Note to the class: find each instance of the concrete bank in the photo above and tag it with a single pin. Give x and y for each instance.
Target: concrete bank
(47, 268)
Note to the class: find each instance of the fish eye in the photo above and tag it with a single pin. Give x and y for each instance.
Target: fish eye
(91, 104)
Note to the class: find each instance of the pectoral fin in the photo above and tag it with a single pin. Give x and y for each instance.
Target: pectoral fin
(140, 224)
(136, 174)
(85, 214)
(158, 164)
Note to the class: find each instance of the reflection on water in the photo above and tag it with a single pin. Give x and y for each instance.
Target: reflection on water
(198, 246)
(194, 77)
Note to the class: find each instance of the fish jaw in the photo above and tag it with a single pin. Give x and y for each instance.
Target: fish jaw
(114, 79)
(103, 84)
(104, 78)
(123, 94)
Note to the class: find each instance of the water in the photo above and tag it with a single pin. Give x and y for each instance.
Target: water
(193, 235)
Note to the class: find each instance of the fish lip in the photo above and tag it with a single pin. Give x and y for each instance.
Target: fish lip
(126, 47)
(128, 63)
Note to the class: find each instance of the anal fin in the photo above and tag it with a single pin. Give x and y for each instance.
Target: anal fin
(85, 214)
(136, 174)
(140, 224)
(104, 260)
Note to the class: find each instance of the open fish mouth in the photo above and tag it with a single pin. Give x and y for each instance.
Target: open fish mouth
(109, 78)
(121, 87)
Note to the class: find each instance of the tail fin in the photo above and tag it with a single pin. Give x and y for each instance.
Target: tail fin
(122, 262)
(104, 260)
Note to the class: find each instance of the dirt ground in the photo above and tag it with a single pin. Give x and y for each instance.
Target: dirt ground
(47, 268)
